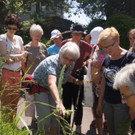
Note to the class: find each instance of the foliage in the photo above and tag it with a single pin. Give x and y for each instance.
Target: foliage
(106, 8)
(123, 24)
(48, 24)
(94, 23)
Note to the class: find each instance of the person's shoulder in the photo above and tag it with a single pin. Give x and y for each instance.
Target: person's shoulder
(27, 45)
(52, 46)
(2, 37)
(17, 36)
(85, 43)
(64, 41)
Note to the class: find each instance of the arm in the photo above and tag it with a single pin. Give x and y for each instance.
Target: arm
(74, 80)
(101, 96)
(11, 58)
(55, 93)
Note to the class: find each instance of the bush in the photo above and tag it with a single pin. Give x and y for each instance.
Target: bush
(123, 24)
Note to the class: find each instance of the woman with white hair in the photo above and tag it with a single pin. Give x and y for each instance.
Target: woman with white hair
(37, 53)
(47, 75)
(125, 81)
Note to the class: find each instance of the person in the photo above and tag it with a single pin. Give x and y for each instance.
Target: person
(57, 38)
(124, 80)
(88, 38)
(70, 90)
(97, 57)
(115, 112)
(47, 75)
(37, 53)
(13, 51)
(131, 36)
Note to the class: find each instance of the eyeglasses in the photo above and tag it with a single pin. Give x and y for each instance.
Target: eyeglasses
(125, 98)
(12, 28)
(66, 58)
(105, 47)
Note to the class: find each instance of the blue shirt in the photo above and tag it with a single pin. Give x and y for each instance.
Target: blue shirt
(50, 66)
(53, 50)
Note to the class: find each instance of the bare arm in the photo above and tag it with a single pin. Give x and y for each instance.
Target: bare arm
(55, 93)
(11, 58)
(101, 96)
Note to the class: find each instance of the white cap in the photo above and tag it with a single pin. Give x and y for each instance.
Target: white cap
(54, 33)
(94, 33)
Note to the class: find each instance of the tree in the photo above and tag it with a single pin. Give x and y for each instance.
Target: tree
(123, 24)
(106, 8)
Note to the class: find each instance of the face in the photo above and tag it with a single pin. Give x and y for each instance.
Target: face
(127, 97)
(57, 41)
(11, 29)
(77, 35)
(67, 59)
(36, 36)
(131, 39)
(108, 46)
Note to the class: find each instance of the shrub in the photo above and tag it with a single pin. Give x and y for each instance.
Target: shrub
(123, 24)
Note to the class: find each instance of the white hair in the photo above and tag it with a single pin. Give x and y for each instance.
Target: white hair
(36, 28)
(70, 48)
(125, 77)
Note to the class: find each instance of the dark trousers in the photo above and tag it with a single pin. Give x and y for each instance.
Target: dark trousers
(70, 93)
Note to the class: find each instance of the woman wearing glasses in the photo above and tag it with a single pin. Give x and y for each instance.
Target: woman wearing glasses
(11, 48)
(115, 112)
(47, 75)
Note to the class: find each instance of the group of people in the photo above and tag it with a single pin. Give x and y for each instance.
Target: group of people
(113, 87)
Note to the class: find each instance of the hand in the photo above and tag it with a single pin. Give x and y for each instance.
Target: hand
(77, 82)
(61, 109)
(99, 109)
(24, 54)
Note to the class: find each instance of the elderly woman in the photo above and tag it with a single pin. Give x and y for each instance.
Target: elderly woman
(37, 53)
(11, 48)
(125, 81)
(115, 112)
(47, 75)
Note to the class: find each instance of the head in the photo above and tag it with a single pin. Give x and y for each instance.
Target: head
(12, 23)
(56, 36)
(77, 31)
(69, 53)
(131, 36)
(36, 32)
(94, 33)
(125, 81)
(109, 40)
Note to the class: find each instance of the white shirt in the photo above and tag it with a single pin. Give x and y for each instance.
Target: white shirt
(12, 48)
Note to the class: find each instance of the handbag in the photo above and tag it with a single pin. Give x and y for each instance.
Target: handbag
(88, 92)
(32, 87)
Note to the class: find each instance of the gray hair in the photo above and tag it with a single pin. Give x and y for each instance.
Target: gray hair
(70, 48)
(36, 28)
(125, 77)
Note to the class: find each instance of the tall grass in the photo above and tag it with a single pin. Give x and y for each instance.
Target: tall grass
(10, 128)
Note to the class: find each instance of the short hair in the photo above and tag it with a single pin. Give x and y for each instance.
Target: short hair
(12, 19)
(70, 48)
(125, 77)
(108, 33)
(36, 28)
(132, 32)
